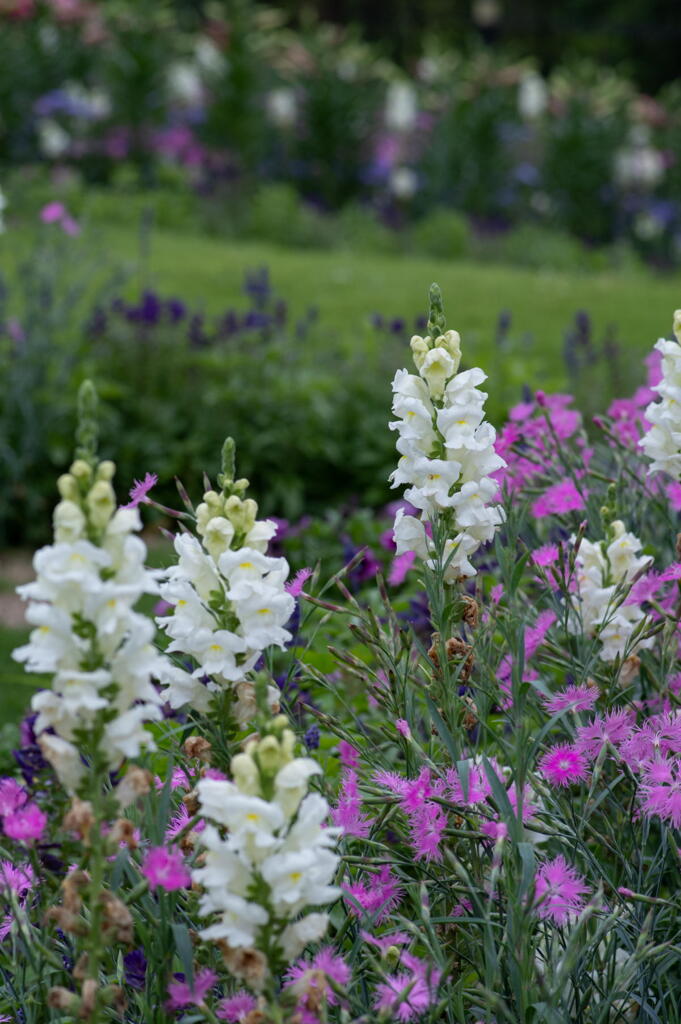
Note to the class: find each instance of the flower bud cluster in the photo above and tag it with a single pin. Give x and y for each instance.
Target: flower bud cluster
(228, 598)
(99, 651)
(267, 854)
(447, 454)
(600, 603)
(662, 442)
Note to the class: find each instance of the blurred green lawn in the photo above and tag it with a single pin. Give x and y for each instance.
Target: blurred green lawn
(348, 286)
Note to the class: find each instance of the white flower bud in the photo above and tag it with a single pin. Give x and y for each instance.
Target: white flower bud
(69, 522)
(245, 774)
(101, 504)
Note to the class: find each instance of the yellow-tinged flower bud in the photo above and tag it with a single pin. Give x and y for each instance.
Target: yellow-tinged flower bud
(214, 502)
(101, 504)
(250, 510)
(241, 513)
(288, 744)
(69, 522)
(81, 469)
(451, 341)
(677, 324)
(203, 517)
(280, 722)
(245, 774)
(269, 755)
(420, 348)
(217, 536)
(106, 470)
(392, 956)
(67, 485)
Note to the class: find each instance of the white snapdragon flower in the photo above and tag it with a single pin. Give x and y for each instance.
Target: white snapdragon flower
(228, 598)
(447, 455)
(662, 442)
(598, 609)
(99, 651)
(274, 859)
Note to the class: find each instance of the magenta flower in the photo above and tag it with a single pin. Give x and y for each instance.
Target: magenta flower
(613, 728)
(326, 962)
(403, 728)
(558, 499)
(348, 814)
(235, 1008)
(349, 756)
(661, 791)
(140, 489)
(295, 587)
(378, 898)
(166, 868)
(19, 878)
(672, 572)
(559, 891)
(547, 555)
(180, 821)
(384, 942)
(53, 212)
(181, 994)
(25, 824)
(12, 795)
(577, 698)
(563, 764)
(401, 565)
(409, 993)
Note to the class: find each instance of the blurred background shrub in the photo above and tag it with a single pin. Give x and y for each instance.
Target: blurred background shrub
(251, 120)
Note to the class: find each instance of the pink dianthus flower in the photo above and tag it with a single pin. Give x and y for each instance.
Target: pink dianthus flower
(165, 868)
(140, 489)
(577, 698)
(558, 499)
(181, 994)
(25, 824)
(409, 993)
(235, 1008)
(559, 891)
(563, 764)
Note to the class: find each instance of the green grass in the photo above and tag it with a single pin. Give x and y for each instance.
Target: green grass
(347, 287)
(17, 685)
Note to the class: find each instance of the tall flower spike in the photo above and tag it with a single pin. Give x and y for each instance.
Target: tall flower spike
(662, 442)
(274, 861)
(229, 598)
(446, 448)
(99, 651)
(598, 607)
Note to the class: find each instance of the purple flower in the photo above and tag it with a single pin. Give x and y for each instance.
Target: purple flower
(135, 966)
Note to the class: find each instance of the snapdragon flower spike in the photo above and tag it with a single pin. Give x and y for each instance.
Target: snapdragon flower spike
(602, 568)
(275, 860)
(662, 441)
(447, 455)
(229, 599)
(98, 650)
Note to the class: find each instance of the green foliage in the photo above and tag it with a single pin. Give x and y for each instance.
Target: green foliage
(442, 233)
